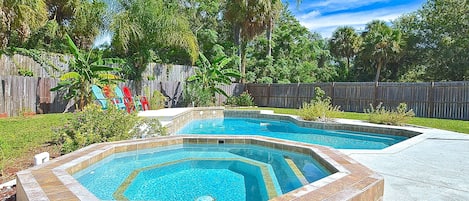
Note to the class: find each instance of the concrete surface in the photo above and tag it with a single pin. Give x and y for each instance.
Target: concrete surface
(433, 166)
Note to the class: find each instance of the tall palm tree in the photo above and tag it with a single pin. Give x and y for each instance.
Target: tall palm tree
(22, 16)
(381, 44)
(272, 15)
(143, 27)
(249, 18)
(345, 42)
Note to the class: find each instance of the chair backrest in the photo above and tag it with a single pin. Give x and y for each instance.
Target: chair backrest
(98, 94)
(127, 92)
(118, 92)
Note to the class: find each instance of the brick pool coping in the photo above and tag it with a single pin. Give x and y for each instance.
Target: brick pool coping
(351, 180)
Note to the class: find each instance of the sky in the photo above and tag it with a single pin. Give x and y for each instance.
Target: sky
(324, 16)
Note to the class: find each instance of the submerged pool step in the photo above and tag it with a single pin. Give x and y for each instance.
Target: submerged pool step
(297, 171)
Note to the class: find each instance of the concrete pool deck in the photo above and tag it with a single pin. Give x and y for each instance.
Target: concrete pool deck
(431, 166)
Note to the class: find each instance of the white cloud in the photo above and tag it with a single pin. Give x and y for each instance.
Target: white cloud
(326, 24)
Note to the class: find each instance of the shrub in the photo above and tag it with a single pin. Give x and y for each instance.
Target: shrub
(157, 100)
(397, 116)
(320, 108)
(195, 95)
(244, 99)
(93, 125)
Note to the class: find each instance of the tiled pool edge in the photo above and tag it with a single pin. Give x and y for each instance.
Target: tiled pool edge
(52, 181)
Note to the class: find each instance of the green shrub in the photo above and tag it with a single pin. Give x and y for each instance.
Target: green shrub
(244, 99)
(157, 100)
(397, 116)
(94, 125)
(195, 95)
(320, 108)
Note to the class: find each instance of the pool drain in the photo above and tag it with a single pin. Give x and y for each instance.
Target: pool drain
(205, 198)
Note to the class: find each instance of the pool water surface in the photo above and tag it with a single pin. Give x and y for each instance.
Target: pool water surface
(190, 171)
(339, 139)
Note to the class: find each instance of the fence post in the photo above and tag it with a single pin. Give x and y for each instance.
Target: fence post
(298, 105)
(375, 100)
(268, 95)
(332, 93)
(431, 104)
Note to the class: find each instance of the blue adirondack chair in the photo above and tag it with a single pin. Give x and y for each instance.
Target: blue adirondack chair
(98, 94)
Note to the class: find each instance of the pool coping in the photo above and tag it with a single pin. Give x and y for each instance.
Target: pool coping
(53, 180)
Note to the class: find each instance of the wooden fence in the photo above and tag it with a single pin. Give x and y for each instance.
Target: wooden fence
(429, 99)
(31, 94)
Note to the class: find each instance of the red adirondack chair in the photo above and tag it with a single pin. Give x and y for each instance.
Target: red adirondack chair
(139, 103)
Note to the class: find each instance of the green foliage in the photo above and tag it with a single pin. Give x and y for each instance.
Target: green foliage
(244, 99)
(94, 125)
(398, 116)
(25, 72)
(84, 73)
(320, 108)
(297, 55)
(212, 75)
(381, 45)
(437, 37)
(195, 95)
(249, 19)
(143, 29)
(157, 100)
(345, 43)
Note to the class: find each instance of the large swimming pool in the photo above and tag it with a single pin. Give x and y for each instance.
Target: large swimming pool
(191, 172)
(339, 139)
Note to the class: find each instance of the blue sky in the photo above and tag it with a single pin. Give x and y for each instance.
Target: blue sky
(324, 16)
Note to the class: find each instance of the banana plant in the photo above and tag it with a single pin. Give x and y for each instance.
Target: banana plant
(212, 75)
(85, 72)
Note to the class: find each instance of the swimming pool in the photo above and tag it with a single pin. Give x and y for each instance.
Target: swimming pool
(340, 139)
(191, 171)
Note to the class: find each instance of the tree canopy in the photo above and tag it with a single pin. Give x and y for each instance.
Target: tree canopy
(429, 44)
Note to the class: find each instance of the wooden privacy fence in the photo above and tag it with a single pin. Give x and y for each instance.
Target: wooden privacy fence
(428, 99)
(28, 94)
(431, 99)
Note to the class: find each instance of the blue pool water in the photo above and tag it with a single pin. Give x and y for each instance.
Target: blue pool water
(339, 139)
(188, 172)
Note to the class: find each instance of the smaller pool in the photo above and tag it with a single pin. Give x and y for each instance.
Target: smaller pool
(201, 172)
(339, 139)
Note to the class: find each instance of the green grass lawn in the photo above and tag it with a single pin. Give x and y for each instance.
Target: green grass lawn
(445, 124)
(20, 135)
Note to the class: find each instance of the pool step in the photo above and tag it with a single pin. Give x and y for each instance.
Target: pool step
(297, 171)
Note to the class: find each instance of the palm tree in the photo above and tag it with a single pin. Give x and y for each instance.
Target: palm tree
(22, 16)
(272, 15)
(345, 42)
(249, 18)
(381, 44)
(143, 27)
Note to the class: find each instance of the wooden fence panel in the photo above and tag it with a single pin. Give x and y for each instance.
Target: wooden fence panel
(260, 93)
(441, 100)
(451, 100)
(234, 89)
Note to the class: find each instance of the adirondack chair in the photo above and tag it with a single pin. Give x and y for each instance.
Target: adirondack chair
(98, 94)
(127, 102)
(139, 103)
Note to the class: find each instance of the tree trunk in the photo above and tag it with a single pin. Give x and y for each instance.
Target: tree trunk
(243, 61)
(237, 40)
(379, 65)
(269, 37)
